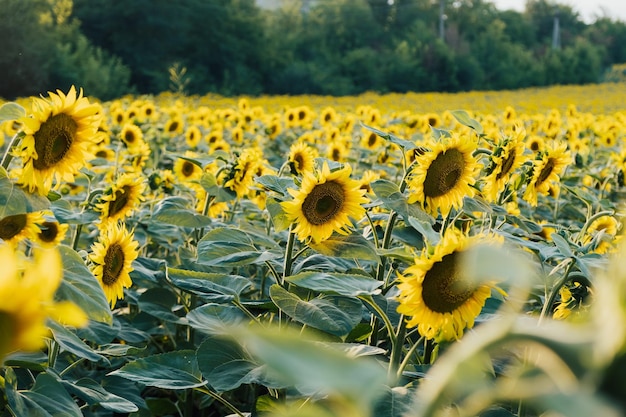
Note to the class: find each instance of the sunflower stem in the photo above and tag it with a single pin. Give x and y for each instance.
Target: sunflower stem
(591, 219)
(8, 156)
(219, 398)
(555, 290)
(407, 357)
(53, 353)
(396, 350)
(380, 272)
(383, 316)
(79, 229)
(288, 255)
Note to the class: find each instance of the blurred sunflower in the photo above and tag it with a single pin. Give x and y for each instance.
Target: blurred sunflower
(51, 233)
(174, 126)
(370, 140)
(504, 160)
(547, 167)
(325, 203)
(18, 227)
(605, 229)
(121, 198)
(328, 116)
(435, 293)
(301, 158)
(132, 136)
(186, 170)
(58, 135)
(337, 151)
(193, 135)
(443, 176)
(27, 289)
(112, 257)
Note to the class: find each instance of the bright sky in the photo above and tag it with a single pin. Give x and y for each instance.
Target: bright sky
(587, 9)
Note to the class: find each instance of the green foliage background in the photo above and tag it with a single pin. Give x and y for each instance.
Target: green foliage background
(338, 47)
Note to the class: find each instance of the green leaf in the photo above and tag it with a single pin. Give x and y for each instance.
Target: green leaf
(352, 246)
(394, 403)
(94, 394)
(81, 287)
(276, 183)
(215, 318)
(279, 218)
(425, 228)
(464, 118)
(207, 283)
(72, 343)
(226, 366)
(232, 247)
(172, 370)
(350, 285)
(314, 367)
(11, 111)
(15, 200)
(179, 217)
(52, 396)
(19, 404)
(334, 315)
(476, 204)
(563, 245)
(389, 193)
(210, 185)
(159, 302)
(65, 213)
(402, 143)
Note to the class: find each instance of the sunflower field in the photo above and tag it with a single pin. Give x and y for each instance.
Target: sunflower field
(402, 255)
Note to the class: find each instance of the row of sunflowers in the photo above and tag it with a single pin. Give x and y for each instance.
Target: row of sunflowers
(290, 256)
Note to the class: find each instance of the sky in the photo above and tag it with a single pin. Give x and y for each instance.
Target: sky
(587, 9)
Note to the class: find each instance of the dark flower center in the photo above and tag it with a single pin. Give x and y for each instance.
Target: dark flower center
(113, 264)
(188, 168)
(506, 164)
(120, 201)
(444, 173)
(49, 232)
(53, 140)
(323, 202)
(11, 226)
(545, 172)
(443, 289)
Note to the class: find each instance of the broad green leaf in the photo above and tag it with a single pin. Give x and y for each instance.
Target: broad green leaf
(215, 318)
(335, 315)
(172, 370)
(425, 228)
(476, 204)
(159, 302)
(350, 285)
(35, 361)
(72, 343)
(52, 396)
(207, 283)
(402, 143)
(279, 218)
(276, 183)
(94, 394)
(389, 193)
(182, 218)
(150, 269)
(210, 185)
(15, 200)
(65, 213)
(314, 367)
(395, 402)
(81, 287)
(226, 366)
(563, 245)
(464, 118)
(11, 111)
(229, 254)
(352, 246)
(19, 404)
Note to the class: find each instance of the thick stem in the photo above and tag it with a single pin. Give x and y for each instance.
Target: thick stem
(288, 255)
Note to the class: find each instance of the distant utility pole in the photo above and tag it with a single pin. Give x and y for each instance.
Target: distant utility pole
(556, 32)
(442, 17)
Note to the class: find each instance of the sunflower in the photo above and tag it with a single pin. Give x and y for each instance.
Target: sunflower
(301, 158)
(132, 136)
(606, 228)
(443, 176)
(546, 170)
(121, 198)
(325, 203)
(112, 257)
(27, 289)
(328, 116)
(241, 175)
(174, 126)
(370, 140)
(51, 233)
(337, 151)
(58, 135)
(193, 135)
(574, 302)
(506, 158)
(186, 170)
(434, 292)
(18, 227)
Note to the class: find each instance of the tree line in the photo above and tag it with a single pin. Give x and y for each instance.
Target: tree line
(326, 47)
